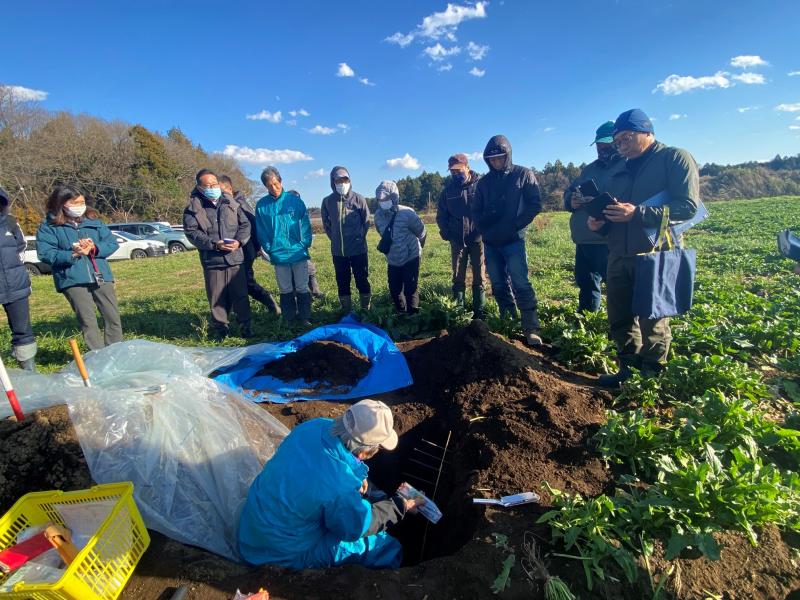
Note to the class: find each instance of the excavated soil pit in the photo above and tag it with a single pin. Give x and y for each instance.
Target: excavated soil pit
(516, 419)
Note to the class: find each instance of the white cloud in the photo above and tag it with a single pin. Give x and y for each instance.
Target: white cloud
(315, 174)
(345, 71)
(750, 78)
(795, 107)
(675, 85)
(265, 115)
(474, 155)
(445, 67)
(748, 61)
(476, 72)
(23, 94)
(343, 126)
(439, 52)
(264, 156)
(302, 112)
(793, 73)
(322, 130)
(404, 162)
(291, 122)
(477, 51)
(794, 126)
(365, 81)
(744, 109)
(440, 24)
(548, 129)
(676, 116)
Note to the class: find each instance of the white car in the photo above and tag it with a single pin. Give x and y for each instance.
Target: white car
(130, 247)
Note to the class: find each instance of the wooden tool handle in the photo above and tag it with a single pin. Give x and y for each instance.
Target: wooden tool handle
(79, 361)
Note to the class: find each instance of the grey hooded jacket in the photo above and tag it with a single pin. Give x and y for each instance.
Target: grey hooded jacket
(408, 232)
(346, 220)
(15, 283)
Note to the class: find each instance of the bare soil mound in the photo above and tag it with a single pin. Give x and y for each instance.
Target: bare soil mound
(330, 363)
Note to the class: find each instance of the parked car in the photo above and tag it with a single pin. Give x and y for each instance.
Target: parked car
(31, 258)
(133, 247)
(176, 241)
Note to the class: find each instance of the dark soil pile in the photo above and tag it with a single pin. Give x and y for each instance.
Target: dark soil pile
(40, 454)
(330, 363)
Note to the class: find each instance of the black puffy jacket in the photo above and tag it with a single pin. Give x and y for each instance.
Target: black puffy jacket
(507, 199)
(15, 283)
(453, 212)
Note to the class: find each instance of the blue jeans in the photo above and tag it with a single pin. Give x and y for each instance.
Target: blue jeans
(591, 261)
(510, 262)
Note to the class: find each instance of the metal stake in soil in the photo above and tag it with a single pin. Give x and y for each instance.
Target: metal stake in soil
(433, 496)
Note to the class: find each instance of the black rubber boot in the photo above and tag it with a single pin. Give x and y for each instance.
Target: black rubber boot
(651, 368)
(246, 330)
(288, 308)
(614, 380)
(304, 309)
(459, 298)
(478, 303)
(347, 303)
(366, 301)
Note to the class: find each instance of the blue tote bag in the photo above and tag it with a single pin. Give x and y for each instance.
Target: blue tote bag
(664, 281)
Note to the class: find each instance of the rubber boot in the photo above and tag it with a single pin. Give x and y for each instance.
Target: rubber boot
(530, 327)
(478, 303)
(459, 298)
(651, 368)
(304, 309)
(347, 303)
(246, 330)
(288, 308)
(615, 380)
(270, 304)
(28, 365)
(366, 301)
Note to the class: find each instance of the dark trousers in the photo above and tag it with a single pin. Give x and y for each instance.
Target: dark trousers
(403, 282)
(358, 265)
(83, 299)
(649, 338)
(591, 261)
(460, 256)
(226, 290)
(19, 320)
(254, 290)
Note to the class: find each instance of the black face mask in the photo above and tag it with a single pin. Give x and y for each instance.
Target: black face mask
(607, 155)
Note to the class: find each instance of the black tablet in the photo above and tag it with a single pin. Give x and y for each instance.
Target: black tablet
(596, 207)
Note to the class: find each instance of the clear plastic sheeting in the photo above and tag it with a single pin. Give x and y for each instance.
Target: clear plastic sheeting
(190, 445)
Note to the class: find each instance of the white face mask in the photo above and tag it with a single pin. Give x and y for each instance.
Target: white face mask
(386, 204)
(342, 188)
(75, 212)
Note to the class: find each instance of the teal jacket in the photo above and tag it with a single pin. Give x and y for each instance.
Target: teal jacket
(283, 228)
(307, 494)
(54, 247)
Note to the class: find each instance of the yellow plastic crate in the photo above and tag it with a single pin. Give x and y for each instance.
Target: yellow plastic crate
(104, 565)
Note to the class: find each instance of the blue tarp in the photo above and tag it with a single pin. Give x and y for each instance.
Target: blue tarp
(388, 370)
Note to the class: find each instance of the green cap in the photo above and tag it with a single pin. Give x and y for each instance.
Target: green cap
(604, 133)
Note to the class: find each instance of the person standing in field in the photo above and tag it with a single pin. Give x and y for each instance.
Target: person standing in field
(457, 226)
(651, 169)
(76, 244)
(345, 217)
(506, 201)
(284, 232)
(407, 234)
(218, 226)
(15, 287)
(251, 249)
(591, 248)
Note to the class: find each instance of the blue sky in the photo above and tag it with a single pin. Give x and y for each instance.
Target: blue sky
(421, 80)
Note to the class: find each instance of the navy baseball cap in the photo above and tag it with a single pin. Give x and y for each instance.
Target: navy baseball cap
(634, 119)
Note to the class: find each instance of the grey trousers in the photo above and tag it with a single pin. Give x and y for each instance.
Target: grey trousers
(292, 278)
(226, 290)
(83, 299)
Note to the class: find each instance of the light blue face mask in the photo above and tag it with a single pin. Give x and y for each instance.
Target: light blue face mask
(212, 193)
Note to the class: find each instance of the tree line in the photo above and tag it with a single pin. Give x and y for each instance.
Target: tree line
(127, 171)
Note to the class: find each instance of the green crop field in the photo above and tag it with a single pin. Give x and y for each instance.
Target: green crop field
(712, 444)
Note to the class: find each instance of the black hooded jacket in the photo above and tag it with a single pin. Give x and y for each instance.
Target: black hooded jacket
(15, 283)
(505, 200)
(346, 220)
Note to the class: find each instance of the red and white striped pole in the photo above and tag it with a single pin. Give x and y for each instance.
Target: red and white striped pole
(10, 393)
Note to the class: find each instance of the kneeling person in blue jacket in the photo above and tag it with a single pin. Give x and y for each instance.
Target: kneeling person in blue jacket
(312, 505)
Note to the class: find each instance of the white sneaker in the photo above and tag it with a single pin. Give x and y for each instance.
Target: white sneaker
(533, 339)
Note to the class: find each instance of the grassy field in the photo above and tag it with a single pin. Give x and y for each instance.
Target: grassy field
(164, 300)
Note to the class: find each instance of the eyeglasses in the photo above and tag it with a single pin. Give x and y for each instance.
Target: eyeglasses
(624, 138)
